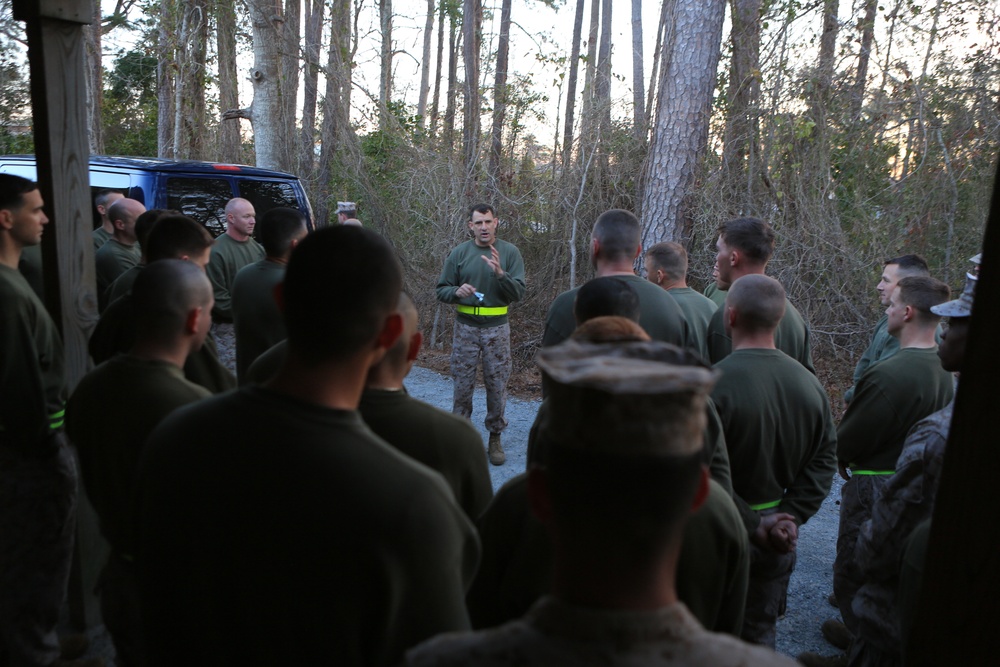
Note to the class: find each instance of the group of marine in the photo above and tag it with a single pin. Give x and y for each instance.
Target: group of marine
(308, 510)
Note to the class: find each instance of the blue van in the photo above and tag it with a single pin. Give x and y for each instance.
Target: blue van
(196, 189)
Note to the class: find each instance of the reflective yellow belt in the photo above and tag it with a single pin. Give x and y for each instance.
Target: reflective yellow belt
(765, 506)
(56, 420)
(479, 310)
(872, 472)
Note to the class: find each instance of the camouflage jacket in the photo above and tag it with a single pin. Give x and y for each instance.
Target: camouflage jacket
(906, 500)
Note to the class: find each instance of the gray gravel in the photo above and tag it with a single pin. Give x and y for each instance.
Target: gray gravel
(812, 581)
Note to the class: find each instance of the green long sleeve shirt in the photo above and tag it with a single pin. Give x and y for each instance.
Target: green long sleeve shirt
(32, 370)
(890, 398)
(227, 258)
(465, 265)
(779, 431)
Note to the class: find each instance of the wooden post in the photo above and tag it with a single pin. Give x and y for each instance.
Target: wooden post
(960, 598)
(58, 101)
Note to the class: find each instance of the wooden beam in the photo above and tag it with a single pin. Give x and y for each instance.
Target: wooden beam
(960, 598)
(58, 100)
(72, 11)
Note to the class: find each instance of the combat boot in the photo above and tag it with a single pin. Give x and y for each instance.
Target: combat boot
(836, 633)
(497, 457)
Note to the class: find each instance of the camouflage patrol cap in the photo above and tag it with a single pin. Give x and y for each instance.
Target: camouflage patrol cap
(633, 399)
(962, 306)
(346, 207)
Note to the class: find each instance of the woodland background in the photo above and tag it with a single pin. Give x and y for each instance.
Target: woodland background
(861, 129)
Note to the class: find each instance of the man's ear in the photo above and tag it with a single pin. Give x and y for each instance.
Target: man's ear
(118, 224)
(392, 327)
(701, 493)
(659, 276)
(192, 320)
(416, 340)
(595, 247)
(909, 312)
(731, 315)
(735, 257)
(638, 251)
(6, 218)
(539, 499)
(279, 296)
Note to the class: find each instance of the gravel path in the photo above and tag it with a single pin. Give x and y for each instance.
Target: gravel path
(811, 582)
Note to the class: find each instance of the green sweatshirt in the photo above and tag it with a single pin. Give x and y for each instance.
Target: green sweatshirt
(889, 399)
(228, 257)
(32, 371)
(779, 431)
(464, 265)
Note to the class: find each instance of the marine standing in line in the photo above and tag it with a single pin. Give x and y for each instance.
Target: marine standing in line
(482, 277)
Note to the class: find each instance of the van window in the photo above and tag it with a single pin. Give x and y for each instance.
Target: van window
(265, 195)
(203, 199)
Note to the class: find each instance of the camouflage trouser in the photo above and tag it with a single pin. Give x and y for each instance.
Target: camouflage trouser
(225, 341)
(857, 497)
(37, 524)
(492, 344)
(766, 594)
(120, 611)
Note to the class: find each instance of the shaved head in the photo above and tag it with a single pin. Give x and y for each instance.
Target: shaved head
(165, 293)
(758, 300)
(126, 210)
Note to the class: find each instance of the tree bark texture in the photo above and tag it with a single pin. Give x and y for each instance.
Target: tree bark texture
(230, 147)
(452, 94)
(574, 69)
(439, 64)
(289, 27)
(499, 95)
(425, 64)
(588, 125)
(687, 81)
(743, 97)
(638, 75)
(189, 88)
(864, 58)
(166, 49)
(271, 128)
(95, 81)
(385, 63)
(312, 43)
(472, 17)
(335, 130)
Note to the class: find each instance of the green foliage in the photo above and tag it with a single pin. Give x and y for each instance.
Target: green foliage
(130, 104)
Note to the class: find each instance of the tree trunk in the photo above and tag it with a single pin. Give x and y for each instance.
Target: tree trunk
(588, 125)
(335, 129)
(439, 64)
(666, 9)
(271, 127)
(687, 81)
(290, 31)
(425, 65)
(95, 81)
(452, 101)
(825, 66)
(574, 68)
(230, 148)
(472, 16)
(602, 88)
(864, 57)
(385, 63)
(742, 124)
(189, 89)
(638, 75)
(165, 62)
(310, 85)
(499, 96)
